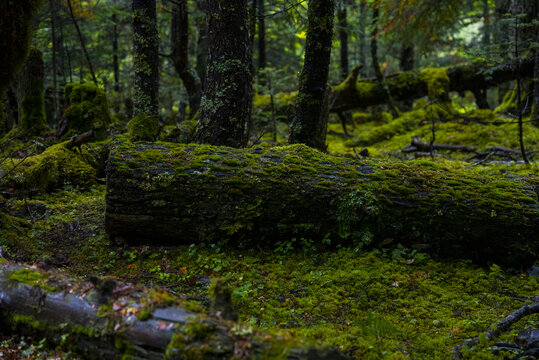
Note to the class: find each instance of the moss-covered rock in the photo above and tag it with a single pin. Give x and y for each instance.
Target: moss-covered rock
(87, 109)
(55, 167)
(143, 127)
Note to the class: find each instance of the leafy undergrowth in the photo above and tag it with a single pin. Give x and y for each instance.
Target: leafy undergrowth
(382, 303)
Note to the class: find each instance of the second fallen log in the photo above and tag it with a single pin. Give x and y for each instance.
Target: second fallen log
(184, 194)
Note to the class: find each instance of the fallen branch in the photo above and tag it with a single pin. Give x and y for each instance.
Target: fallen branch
(79, 140)
(498, 328)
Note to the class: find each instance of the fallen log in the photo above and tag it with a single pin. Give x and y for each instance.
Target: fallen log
(184, 194)
(418, 145)
(352, 94)
(107, 319)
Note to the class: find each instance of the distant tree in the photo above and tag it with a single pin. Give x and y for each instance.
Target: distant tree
(312, 110)
(225, 109)
(180, 55)
(146, 57)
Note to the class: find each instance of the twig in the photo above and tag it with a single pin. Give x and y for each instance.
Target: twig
(499, 327)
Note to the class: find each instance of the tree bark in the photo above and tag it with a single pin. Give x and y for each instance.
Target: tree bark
(106, 319)
(115, 60)
(262, 63)
(146, 57)
(362, 37)
(183, 194)
(343, 36)
(352, 94)
(180, 56)
(376, 64)
(310, 124)
(202, 43)
(225, 109)
(30, 96)
(52, 6)
(82, 43)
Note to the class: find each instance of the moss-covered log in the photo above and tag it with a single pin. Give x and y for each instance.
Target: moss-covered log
(108, 319)
(353, 94)
(188, 193)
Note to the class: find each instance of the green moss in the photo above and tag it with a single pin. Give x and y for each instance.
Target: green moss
(54, 168)
(437, 82)
(509, 101)
(31, 277)
(143, 127)
(87, 109)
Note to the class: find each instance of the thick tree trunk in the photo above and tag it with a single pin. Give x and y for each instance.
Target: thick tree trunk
(146, 57)
(352, 94)
(310, 124)
(115, 60)
(180, 56)
(52, 6)
(225, 109)
(105, 319)
(30, 96)
(184, 194)
(16, 26)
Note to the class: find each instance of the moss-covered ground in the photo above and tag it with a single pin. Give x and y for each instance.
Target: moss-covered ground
(393, 303)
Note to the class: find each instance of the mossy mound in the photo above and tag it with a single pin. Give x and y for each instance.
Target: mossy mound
(143, 127)
(55, 167)
(87, 109)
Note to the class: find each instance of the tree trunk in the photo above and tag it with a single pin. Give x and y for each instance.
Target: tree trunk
(146, 58)
(115, 61)
(202, 44)
(225, 109)
(16, 26)
(407, 58)
(30, 96)
(82, 44)
(376, 64)
(262, 63)
(352, 94)
(54, 119)
(343, 36)
(107, 319)
(183, 194)
(310, 124)
(362, 37)
(180, 55)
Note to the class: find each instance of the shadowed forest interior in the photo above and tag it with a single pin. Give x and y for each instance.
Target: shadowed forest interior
(269, 179)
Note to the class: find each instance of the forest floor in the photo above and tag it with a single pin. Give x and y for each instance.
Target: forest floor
(390, 302)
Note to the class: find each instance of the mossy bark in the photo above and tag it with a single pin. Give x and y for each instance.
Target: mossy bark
(352, 94)
(225, 108)
(16, 25)
(30, 95)
(108, 319)
(87, 108)
(146, 57)
(183, 194)
(310, 124)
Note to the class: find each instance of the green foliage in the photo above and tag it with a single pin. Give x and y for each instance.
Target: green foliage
(143, 127)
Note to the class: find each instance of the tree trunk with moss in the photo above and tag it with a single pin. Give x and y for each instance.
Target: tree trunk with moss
(146, 57)
(225, 109)
(353, 94)
(312, 109)
(180, 55)
(107, 319)
(184, 194)
(30, 96)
